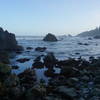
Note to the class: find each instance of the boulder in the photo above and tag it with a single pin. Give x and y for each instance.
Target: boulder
(27, 78)
(40, 49)
(50, 37)
(50, 73)
(49, 60)
(8, 41)
(38, 63)
(22, 60)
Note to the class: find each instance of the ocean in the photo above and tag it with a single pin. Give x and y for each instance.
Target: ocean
(66, 47)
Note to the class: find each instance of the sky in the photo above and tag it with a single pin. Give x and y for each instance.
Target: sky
(39, 17)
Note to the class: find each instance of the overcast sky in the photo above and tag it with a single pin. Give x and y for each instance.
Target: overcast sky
(38, 17)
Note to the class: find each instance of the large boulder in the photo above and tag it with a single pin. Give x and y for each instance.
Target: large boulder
(8, 41)
(50, 37)
(50, 60)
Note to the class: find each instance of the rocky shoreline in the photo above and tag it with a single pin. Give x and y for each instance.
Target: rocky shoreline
(77, 80)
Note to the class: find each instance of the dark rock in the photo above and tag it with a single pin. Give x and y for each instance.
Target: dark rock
(5, 70)
(50, 73)
(97, 37)
(27, 78)
(40, 49)
(80, 43)
(22, 60)
(83, 43)
(69, 72)
(37, 92)
(8, 41)
(70, 62)
(12, 81)
(15, 67)
(38, 65)
(68, 93)
(50, 37)
(4, 57)
(50, 60)
(29, 48)
(89, 38)
(77, 53)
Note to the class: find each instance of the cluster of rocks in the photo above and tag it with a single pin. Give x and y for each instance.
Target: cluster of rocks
(15, 87)
(77, 80)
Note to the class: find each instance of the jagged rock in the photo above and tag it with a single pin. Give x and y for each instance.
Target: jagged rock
(50, 37)
(8, 41)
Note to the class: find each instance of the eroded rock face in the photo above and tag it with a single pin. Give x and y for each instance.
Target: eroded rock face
(50, 37)
(8, 41)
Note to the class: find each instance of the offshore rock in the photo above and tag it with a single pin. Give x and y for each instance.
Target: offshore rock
(50, 37)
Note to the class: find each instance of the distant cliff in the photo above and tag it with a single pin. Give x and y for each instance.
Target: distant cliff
(91, 33)
(8, 41)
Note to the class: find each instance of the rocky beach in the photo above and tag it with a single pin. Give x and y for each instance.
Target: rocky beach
(53, 68)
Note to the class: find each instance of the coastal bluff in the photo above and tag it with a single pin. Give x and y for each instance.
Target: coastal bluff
(8, 41)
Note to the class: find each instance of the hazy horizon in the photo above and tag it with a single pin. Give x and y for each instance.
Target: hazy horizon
(39, 17)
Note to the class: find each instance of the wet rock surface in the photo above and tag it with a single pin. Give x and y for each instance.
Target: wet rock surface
(78, 79)
(22, 60)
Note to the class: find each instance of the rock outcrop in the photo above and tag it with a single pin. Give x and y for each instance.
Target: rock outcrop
(8, 41)
(91, 33)
(50, 37)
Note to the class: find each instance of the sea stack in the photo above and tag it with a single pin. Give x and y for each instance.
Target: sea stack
(50, 37)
